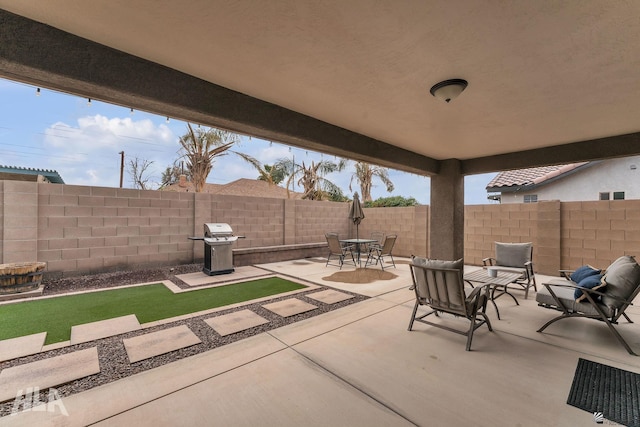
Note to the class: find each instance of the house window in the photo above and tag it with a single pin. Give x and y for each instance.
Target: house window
(618, 195)
(604, 196)
(530, 198)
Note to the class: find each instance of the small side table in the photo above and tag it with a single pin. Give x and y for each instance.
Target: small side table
(499, 283)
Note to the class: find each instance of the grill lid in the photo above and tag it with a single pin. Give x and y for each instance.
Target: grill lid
(220, 240)
(217, 229)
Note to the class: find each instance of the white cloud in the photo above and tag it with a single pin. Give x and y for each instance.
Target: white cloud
(88, 153)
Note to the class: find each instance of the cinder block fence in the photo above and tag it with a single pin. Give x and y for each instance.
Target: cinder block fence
(77, 229)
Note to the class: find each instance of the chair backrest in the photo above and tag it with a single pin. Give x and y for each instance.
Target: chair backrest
(334, 243)
(377, 235)
(389, 242)
(513, 254)
(623, 281)
(440, 284)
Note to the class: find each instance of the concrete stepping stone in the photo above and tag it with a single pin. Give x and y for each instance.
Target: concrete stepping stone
(329, 296)
(21, 346)
(160, 342)
(48, 372)
(235, 322)
(289, 307)
(104, 328)
(199, 278)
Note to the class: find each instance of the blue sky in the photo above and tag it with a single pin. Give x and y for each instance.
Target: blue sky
(82, 142)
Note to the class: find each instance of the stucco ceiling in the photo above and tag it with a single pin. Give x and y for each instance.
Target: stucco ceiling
(541, 73)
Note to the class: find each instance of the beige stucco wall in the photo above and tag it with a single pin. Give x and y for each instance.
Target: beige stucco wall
(78, 229)
(608, 176)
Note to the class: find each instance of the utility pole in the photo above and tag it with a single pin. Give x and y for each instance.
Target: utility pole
(121, 167)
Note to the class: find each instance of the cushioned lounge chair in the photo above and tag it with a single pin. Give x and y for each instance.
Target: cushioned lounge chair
(607, 304)
(515, 258)
(440, 285)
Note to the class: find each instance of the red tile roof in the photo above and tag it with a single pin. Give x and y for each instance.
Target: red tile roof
(240, 187)
(530, 176)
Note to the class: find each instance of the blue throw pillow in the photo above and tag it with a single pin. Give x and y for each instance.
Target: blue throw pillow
(583, 272)
(590, 282)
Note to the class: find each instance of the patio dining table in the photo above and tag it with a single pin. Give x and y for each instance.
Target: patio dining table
(359, 242)
(500, 282)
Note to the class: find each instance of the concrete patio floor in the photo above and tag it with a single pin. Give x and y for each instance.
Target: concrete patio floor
(359, 366)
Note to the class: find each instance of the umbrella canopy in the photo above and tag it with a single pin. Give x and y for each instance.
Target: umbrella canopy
(356, 213)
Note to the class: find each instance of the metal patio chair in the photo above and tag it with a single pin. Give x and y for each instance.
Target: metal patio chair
(440, 285)
(378, 236)
(338, 250)
(607, 304)
(515, 258)
(377, 253)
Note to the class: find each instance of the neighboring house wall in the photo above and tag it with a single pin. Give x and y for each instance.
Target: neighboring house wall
(587, 184)
(93, 229)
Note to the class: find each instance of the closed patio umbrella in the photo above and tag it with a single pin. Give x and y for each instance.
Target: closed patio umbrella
(356, 213)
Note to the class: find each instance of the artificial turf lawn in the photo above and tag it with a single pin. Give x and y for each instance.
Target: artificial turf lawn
(57, 315)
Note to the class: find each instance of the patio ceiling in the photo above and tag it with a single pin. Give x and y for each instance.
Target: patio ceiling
(556, 80)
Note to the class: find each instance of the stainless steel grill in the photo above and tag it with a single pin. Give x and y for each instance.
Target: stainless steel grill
(218, 248)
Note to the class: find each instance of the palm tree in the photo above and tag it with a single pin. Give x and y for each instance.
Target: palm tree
(201, 147)
(272, 174)
(171, 175)
(311, 178)
(364, 175)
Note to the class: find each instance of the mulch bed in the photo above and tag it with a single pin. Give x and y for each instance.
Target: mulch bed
(114, 363)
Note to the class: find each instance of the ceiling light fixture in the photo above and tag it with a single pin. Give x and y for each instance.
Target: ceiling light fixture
(448, 89)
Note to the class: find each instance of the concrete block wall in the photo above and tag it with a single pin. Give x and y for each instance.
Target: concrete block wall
(314, 219)
(409, 223)
(538, 223)
(2, 205)
(19, 221)
(259, 220)
(546, 236)
(598, 232)
(93, 229)
(79, 229)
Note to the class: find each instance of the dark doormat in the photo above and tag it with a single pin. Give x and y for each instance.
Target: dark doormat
(604, 389)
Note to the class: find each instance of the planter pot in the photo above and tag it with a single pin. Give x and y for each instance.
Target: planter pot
(21, 277)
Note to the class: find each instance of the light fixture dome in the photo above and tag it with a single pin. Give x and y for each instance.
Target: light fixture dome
(448, 89)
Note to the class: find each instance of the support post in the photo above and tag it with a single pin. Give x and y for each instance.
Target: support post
(446, 220)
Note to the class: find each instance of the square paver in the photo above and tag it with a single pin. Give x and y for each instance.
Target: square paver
(21, 346)
(235, 322)
(289, 307)
(48, 372)
(160, 342)
(104, 328)
(329, 296)
(241, 273)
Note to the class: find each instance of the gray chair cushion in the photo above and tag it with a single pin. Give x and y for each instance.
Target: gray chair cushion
(437, 263)
(622, 278)
(513, 254)
(566, 298)
(455, 298)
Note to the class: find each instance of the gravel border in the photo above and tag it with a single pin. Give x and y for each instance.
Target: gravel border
(114, 362)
